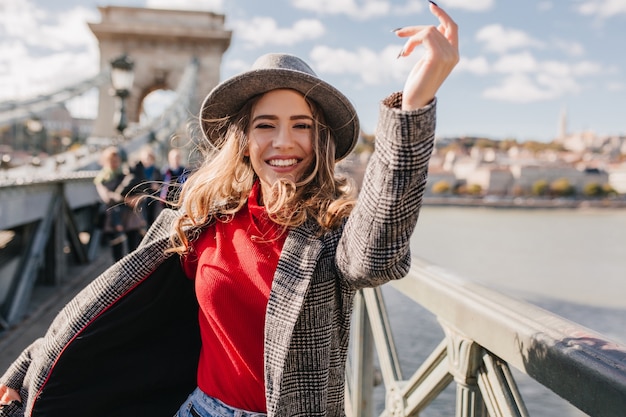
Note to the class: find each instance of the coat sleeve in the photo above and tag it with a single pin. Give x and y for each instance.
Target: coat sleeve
(15, 374)
(375, 245)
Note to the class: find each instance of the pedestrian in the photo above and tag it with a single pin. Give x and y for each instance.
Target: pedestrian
(122, 225)
(239, 302)
(147, 169)
(174, 175)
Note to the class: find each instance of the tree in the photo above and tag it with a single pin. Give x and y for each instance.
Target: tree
(608, 190)
(593, 189)
(474, 189)
(561, 188)
(540, 187)
(441, 187)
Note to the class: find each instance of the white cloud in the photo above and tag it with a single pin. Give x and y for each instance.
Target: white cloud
(23, 21)
(602, 8)
(472, 5)
(616, 86)
(586, 68)
(545, 6)
(571, 48)
(69, 30)
(19, 18)
(518, 88)
(360, 10)
(61, 69)
(363, 65)
(558, 85)
(409, 8)
(478, 65)
(204, 5)
(42, 52)
(265, 31)
(523, 62)
(235, 66)
(499, 39)
(528, 80)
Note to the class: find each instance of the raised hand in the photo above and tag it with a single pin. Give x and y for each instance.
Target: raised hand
(441, 45)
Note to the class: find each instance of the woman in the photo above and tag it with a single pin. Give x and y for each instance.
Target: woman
(123, 225)
(275, 245)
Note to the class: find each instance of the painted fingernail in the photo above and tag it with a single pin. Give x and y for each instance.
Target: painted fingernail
(397, 29)
(433, 3)
(400, 54)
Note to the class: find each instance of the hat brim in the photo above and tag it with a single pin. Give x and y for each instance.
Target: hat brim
(229, 97)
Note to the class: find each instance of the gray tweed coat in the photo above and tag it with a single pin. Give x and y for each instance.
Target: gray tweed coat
(127, 345)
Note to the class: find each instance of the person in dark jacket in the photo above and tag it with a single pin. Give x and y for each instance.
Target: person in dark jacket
(174, 175)
(239, 301)
(146, 168)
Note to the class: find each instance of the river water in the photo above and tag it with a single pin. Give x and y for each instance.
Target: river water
(570, 262)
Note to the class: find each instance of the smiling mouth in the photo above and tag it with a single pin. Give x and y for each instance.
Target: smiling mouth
(282, 162)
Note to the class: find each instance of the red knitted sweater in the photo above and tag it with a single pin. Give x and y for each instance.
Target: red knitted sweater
(233, 264)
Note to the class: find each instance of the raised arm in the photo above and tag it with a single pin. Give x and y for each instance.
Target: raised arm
(375, 245)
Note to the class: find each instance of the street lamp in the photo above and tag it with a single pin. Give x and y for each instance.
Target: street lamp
(122, 77)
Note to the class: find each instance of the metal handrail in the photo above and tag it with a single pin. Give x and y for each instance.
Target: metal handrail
(48, 220)
(486, 333)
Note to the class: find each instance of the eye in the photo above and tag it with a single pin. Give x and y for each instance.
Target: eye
(305, 126)
(263, 126)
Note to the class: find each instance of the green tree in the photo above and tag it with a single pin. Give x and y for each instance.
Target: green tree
(540, 187)
(562, 188)
(441, 187)
(593, 189)
(474, 189)
(608, 190)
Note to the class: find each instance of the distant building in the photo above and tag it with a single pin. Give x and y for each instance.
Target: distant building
(617, 178)
(492, 179)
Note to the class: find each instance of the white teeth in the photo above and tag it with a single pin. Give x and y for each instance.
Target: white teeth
(282, 162)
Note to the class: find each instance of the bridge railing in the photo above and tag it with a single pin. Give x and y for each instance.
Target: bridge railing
(486, 334)
(44, 226)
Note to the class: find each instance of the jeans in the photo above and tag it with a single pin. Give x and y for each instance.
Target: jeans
(198, 404)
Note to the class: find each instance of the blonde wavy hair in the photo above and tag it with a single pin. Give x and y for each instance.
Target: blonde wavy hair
(220, 187)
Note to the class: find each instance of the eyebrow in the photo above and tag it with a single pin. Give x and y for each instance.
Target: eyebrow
(273, 117)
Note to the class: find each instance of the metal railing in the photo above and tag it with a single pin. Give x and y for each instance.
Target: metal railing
(485, 335)
(45, 226)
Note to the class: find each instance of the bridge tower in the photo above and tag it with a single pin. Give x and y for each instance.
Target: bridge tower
(161, 43)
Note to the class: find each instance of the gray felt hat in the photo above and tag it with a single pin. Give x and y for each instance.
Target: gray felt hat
(273, 71)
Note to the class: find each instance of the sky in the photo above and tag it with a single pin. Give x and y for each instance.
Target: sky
(524, 63)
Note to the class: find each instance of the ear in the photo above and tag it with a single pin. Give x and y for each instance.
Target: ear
(246, 151)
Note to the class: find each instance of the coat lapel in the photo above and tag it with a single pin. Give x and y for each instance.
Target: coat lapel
(296, 265)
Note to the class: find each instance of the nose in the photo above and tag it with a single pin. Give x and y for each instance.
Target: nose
(283, 138)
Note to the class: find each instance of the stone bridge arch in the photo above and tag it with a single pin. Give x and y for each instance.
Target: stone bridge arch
(161, 43)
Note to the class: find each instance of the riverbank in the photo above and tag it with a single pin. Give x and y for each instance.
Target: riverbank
(528, 203)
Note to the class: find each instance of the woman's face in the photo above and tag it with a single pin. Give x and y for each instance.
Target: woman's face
(280, 140)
